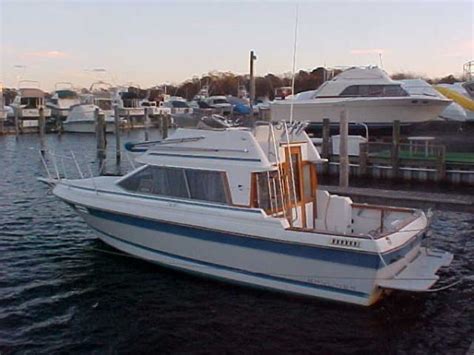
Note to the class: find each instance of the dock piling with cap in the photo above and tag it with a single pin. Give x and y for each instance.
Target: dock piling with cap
(117, 134)
(100, 134)
(395, 153)
(17, 123)
(147, 123)
(343, 153)
(42, 128)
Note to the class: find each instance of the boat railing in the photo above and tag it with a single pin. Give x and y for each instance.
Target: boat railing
(66, 165)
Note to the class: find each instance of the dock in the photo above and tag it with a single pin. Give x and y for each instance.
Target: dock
(404, 198)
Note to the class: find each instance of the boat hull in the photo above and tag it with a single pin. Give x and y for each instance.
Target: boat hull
(372, 111)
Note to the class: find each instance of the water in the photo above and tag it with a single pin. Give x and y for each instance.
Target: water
(60, 292)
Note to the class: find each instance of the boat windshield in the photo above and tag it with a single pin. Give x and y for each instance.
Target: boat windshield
(192, 184)
(30, 102)
(104, 104)
(179, 104)
(220, 101)
(373, 91)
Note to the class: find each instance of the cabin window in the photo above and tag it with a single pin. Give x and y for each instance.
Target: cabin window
(182, 183)
(206, 185)
(374, 91)
(307, 189)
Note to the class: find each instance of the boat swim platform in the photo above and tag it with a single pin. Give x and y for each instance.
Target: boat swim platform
(404, 198)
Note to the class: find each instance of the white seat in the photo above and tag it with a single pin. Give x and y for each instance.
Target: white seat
(334, 213)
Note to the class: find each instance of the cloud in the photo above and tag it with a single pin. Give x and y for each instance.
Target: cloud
(47, 54)
(368, 51)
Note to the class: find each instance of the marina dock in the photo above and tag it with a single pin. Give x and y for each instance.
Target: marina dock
(442, 201)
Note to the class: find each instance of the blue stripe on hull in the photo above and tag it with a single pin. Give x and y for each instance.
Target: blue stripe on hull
(226, 268)
(360, 259)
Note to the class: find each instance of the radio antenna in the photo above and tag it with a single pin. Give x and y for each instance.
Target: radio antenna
(294, 66)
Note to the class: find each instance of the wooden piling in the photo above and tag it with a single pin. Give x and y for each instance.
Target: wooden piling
(117, 134)
(17, 123)
(343, 153)
(100, 134)
(2, 125)
(395, 154)
(42, 129)
(363, 158)
(441, 164)
(164, 126)
(325, 148)
(146, 123)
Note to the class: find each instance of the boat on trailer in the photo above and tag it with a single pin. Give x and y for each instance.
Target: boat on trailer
(243, 205)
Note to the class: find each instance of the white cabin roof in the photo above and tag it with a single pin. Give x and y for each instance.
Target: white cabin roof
(236, 151)
(355, 76)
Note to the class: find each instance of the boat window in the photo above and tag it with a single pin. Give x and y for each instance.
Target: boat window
(176, 182)
(374, 91)
(206, 185)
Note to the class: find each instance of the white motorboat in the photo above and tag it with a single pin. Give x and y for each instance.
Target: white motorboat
(27, 104)
(221, 103)
(62, 99)
(453, 112)
(370, 97)
(155, 108)
(81, 118)
(129, 104)
(243, 206)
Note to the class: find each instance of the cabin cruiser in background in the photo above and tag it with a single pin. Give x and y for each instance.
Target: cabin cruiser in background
(155, 107)
(27, 103)
(62, 99)
(368, 94)
(221, 103)
(177, 105)
(453, 112)
(81, 118)
(3, 109)
(243, 206)
(129, 104)
(202, 95)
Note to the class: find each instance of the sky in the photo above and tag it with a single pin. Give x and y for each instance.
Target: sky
(147, 43)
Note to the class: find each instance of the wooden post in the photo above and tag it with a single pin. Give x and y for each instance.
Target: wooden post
(2, 123)
(59, 125)
(164, 126)
(117, 134)
(17, 123)
(363, 158)
(42, 124)
(252, 81)
(395, 149)
(441, 164)
(147, 124)
(343, 154)
(325, 148)
(100, 134)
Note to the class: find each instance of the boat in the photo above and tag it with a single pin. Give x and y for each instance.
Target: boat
(155, 108)
(129, 105)
(453, 112)
(62, 99)
(27, 104)
(81, 118)
(243, 205)
(221, 103)
(368, 94)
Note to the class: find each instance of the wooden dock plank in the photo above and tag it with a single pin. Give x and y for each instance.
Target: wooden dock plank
(403, 198)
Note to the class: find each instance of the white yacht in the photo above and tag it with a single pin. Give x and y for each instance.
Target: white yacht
(62, 99)
(221, 103)
(129, 104)
(27, 104)
(243, 206)
(368, 94)
(81, 118)
(155, 107)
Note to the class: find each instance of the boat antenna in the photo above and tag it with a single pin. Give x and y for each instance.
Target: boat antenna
(294, 66)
